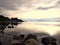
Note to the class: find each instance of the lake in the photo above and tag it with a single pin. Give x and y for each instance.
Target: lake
(51, 28)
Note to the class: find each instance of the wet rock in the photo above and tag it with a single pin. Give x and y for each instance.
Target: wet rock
(10, 26)
(0, 43)
(31, 40)
(21, 37)
(48, 40)
(1, 33)
(16, 41)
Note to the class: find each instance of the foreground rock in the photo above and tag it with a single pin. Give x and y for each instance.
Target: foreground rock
(48, 40)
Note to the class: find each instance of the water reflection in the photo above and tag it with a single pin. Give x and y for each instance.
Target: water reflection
(8, 31)
(15, 23)
(5, 25)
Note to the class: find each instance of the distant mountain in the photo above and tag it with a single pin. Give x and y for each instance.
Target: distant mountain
(44, 20)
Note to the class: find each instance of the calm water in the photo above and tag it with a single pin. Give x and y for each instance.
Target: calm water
(8, 30)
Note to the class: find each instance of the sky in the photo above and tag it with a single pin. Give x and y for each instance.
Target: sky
(31, 8)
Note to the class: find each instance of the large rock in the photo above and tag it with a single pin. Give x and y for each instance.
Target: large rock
(48, 40)
(31, 42)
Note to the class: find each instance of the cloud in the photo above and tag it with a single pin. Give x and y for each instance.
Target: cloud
(56, 5)
(9, 4)
(45, 8)
(15, 4)
(27, 4)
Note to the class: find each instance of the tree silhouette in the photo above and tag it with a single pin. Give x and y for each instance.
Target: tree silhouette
(2, 18)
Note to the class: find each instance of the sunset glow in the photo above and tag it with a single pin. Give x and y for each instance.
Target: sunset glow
(51, 13)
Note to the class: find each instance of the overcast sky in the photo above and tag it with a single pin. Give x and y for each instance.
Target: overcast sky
(31, 8)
